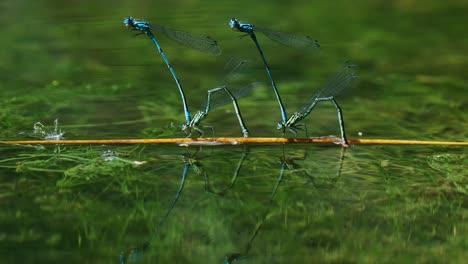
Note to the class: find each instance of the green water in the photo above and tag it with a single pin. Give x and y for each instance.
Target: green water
(76, 62)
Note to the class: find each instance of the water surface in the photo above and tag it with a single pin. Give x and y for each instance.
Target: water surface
(271, 204)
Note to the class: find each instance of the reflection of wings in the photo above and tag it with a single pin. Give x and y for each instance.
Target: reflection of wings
(292, 40)
(198, 42)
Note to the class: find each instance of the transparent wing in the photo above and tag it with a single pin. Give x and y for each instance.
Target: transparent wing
(237, 71)
(292, 40)
(238, 82)
(340, 81)
(198, 42)
(220, 97)
(336, 84)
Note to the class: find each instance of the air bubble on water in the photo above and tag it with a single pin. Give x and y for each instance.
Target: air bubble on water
(138, 163)
(109, 155)
(56, 134)
(39, 129)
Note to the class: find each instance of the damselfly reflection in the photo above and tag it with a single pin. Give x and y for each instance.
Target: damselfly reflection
(224, 190)
(135, 253)
(287, 163)
(206, 163)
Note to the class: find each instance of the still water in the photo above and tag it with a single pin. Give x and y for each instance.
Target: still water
(76, 62)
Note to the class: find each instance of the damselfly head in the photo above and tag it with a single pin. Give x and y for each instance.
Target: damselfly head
(280, 125)
(234, 24)
(133, 254)
(241, 26)
(129, 21)
(137, 24)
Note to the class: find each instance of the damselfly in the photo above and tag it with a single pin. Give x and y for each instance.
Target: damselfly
(337, 83)
(198, 42)
(230, 90)
(292, 40)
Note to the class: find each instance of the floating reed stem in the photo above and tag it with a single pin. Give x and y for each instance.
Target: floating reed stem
(234, 141)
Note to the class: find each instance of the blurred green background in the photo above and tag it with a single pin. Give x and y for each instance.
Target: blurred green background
(76, 62)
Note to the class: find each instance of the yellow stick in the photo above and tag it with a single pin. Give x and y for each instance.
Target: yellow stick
(234, 141)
